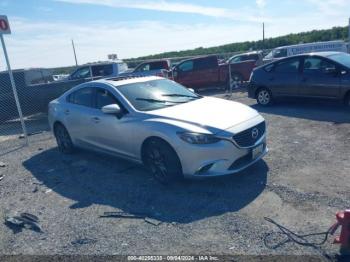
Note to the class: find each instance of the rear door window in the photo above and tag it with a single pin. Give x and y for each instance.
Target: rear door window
(82, 97)
(316, 65)
(205, 63)
(288, 66)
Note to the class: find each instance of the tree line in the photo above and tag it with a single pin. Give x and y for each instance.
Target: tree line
(336, 33)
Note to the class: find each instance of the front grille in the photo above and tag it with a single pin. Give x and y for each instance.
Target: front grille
(246, 138)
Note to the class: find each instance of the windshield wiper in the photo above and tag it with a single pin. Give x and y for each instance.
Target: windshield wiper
(151, 100)
(180, 95)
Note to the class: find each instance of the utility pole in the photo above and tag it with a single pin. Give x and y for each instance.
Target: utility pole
(75, 55)
(5, 29)
(263, 36)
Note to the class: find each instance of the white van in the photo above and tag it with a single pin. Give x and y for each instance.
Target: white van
(285, 51)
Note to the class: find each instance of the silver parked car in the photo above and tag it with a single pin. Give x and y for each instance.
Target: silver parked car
(157, 122)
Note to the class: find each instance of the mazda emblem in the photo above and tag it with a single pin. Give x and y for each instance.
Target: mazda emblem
(255, 133)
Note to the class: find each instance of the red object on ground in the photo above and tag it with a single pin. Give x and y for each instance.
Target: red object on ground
(343, 218)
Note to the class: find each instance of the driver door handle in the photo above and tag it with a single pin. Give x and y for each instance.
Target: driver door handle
(96, 119)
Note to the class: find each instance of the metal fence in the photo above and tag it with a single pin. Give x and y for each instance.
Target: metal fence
(33, 100)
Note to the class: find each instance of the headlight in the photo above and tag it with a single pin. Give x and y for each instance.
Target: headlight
(197, 138)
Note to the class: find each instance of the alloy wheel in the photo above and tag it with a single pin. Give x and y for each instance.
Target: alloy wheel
(157, 164)
(264, 97)
(236, 80)
(63, 139)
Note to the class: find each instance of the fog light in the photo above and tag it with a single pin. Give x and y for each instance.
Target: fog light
(204, 169)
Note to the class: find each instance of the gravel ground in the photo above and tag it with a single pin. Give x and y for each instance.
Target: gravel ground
(301, 183)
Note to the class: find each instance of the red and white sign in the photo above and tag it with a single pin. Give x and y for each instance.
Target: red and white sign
(4, 25)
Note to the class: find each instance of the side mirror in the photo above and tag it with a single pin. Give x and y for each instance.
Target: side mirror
(113, 109)
(191, 89)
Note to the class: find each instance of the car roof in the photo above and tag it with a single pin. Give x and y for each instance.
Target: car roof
(120, 81)
(309, 44)
(322, 54)
(198, 57)
(325, 54)
(248, 53)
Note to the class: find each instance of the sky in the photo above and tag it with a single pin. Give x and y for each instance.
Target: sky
(42, 29)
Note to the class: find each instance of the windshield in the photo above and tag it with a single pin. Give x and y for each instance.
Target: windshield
(277, 53)
(156, 94)
(269, 55)
(342, 58)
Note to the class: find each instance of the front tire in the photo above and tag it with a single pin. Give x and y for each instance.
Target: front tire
(63, 139)
(162, 161)
(264, 97)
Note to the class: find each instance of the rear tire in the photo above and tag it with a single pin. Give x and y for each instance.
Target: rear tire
(163, 162)
(264, 97)
(236, 78)
(63, 139)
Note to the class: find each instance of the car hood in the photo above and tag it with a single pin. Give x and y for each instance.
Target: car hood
(213, 114)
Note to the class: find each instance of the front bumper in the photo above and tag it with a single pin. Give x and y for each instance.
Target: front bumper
(222, 158)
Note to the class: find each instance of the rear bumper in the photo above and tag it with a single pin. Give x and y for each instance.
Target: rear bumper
(251, 90)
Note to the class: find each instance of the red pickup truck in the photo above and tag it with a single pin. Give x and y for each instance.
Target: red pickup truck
(206, 71)
(201, 72)
(242, 65)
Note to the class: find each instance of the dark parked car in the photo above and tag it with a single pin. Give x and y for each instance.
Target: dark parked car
(150, 68)
(317, 75)
(98, 70)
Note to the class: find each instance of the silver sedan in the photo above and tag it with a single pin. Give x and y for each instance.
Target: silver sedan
(167, 127)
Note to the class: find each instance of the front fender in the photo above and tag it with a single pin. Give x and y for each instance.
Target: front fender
(167, 129)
